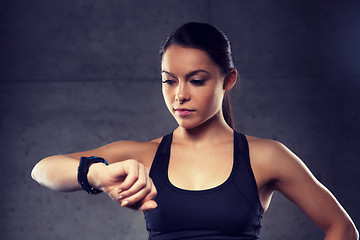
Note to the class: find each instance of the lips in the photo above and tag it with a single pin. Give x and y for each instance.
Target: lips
(183, 112)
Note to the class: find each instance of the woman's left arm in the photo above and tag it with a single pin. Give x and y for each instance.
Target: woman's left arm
(297, 183)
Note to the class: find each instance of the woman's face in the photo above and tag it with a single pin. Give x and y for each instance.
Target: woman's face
(192, 86)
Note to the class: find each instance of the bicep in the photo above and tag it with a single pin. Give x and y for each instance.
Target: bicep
(295, 181)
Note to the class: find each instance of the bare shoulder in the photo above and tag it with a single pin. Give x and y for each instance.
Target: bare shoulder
(262, 144)
(265, 149)
(271, 158)
(276, 161)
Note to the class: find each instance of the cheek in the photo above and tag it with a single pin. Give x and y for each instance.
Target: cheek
(167, 97)
(211, 100)
(213, 96)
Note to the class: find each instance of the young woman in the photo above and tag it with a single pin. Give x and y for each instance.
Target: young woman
(206, 180)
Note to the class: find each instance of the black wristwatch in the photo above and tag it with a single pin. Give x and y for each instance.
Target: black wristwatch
(83, 169)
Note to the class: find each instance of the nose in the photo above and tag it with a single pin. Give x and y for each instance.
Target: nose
(182, 94)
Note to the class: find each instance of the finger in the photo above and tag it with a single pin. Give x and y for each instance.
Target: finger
(113, 194)
(151, 195)
(138, 199)
(131, 169)
(142, 182)
(135, 199)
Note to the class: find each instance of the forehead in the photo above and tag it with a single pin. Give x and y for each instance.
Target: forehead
(185, 59)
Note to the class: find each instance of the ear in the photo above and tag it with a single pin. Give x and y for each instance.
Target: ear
(230, 79)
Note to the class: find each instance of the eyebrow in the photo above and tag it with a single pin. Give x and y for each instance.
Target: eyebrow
(189, 75)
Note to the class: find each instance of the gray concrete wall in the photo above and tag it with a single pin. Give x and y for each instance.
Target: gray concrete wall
(78, 74)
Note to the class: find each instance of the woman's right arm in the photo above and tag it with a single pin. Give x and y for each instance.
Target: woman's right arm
(125, 180)
(57, 172)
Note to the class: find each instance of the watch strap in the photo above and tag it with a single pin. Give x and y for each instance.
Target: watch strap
(83, 169)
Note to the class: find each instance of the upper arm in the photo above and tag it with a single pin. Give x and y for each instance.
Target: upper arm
(294, 180)
(122, 150)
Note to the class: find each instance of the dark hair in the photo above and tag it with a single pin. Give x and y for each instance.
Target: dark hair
(211, 40)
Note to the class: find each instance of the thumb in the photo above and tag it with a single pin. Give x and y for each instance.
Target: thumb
(148, 205)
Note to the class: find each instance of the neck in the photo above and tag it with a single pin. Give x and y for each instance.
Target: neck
(213, 131)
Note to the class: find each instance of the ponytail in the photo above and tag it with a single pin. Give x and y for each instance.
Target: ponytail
(226, 109)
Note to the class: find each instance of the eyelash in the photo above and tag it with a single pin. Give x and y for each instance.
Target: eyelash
(195, 82)
(198, 82)
(168, 82)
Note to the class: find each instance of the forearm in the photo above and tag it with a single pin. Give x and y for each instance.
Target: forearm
(58, 173)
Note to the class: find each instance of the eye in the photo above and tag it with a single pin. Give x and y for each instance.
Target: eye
(168, 82)
(198, 82)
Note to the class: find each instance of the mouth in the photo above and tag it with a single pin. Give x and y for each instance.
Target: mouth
(183, 112)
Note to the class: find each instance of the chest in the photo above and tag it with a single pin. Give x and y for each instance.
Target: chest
(221, 206)
(199, 169)
(203, 213)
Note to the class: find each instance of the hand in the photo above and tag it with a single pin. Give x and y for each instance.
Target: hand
(126, 182)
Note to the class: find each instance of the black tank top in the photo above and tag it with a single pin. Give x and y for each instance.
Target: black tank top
(231, 210)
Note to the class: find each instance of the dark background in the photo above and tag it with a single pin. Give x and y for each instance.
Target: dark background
(78, 74)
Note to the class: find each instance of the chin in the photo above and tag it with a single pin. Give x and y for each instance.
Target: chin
(185, 123)
(188, 124)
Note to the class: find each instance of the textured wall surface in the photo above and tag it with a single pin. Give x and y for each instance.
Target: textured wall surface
(79, 74)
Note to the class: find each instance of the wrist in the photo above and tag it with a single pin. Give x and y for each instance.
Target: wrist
(83, 171)
(93, 175)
